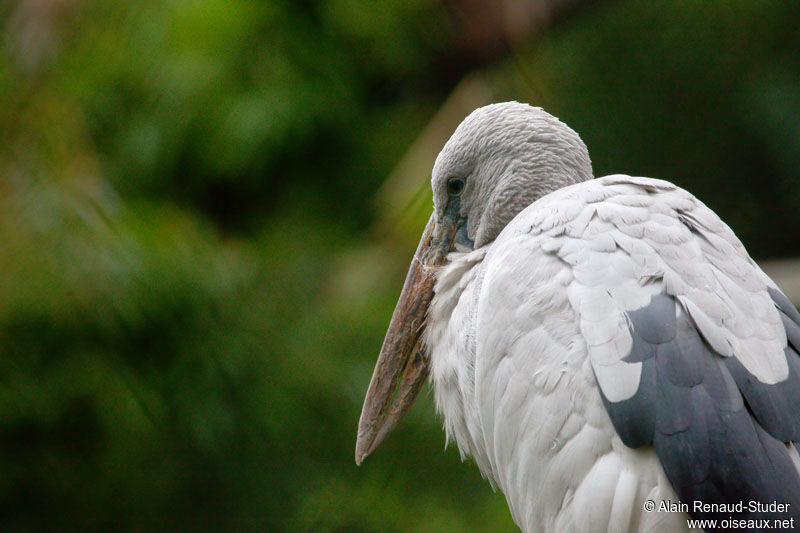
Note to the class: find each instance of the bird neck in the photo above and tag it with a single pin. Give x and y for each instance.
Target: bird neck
(450, 339)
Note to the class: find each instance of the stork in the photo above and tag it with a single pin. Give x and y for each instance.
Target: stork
(604, 349)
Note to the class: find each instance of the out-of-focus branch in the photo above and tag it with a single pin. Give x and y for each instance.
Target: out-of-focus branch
(486, 30)
(33, 31)
(404, 200)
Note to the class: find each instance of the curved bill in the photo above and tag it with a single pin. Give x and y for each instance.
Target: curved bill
(403, 364)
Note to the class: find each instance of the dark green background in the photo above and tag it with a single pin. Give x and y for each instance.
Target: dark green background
(195, 277)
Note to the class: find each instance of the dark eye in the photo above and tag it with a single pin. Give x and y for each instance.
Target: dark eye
(455, 186)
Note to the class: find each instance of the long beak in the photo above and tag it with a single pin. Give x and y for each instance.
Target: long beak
(403, 363)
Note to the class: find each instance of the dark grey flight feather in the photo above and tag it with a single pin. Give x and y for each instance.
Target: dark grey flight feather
(718, 431)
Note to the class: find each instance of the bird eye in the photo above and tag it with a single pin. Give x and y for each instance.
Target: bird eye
(455, 186)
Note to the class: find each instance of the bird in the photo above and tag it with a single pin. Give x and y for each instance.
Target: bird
(604, 349)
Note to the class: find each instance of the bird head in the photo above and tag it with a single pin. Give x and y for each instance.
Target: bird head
(500, 159)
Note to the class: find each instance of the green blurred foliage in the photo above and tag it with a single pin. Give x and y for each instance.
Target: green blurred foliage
(704, 94)
(191, 291)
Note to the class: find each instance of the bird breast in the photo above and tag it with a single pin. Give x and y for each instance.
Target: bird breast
(450, 337)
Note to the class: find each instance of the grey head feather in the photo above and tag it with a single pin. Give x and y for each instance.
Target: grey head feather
(510, 154)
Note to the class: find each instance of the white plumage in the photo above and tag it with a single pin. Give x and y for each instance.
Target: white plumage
(603, 343)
